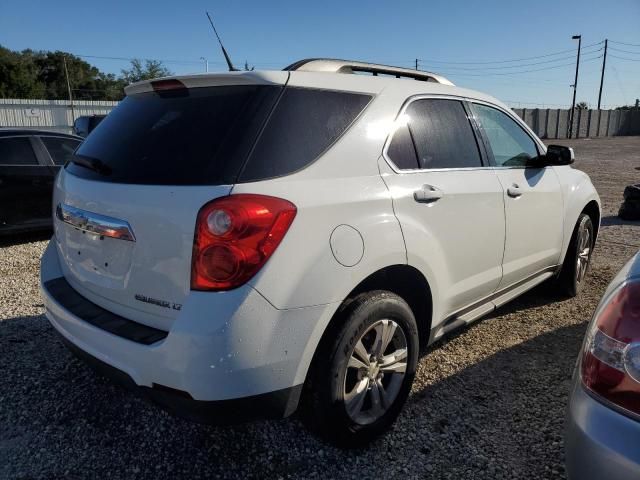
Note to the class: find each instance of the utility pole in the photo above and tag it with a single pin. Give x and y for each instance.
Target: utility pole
(604, 64)
(575, 84)
(206, 64)
(66, 74)
(416, 64)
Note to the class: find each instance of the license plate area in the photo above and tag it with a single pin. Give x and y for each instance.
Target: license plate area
(94, 258)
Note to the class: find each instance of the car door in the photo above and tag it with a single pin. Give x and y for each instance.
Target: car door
(25, 184)
(450, 205)
(532, 195)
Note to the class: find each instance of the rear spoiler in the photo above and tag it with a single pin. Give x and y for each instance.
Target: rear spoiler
(214, 79)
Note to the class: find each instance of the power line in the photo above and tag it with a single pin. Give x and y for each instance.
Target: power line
(128, 59)
(624, 58)
(513, 60)
(624, 51)
(627, 44)
(523, 71)
(523, 64)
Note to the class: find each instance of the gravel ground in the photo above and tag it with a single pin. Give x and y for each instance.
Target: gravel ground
(487, 403)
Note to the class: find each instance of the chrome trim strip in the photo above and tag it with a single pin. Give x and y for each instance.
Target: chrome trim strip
(95, 223)
(498, 293)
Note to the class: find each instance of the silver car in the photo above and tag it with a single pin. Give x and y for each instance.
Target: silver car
(602, 436)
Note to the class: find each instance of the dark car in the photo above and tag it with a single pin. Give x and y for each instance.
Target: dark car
(29, 162)
(84, 125)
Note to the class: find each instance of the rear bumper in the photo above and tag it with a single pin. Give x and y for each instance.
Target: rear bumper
(600, 442)
(222, 347)
(278, 404)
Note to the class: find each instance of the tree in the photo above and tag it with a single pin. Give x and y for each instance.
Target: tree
(150, 70)
(19, 76)
(582, 106)
(247, 68)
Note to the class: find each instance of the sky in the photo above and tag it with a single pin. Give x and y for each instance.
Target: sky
(473, 43)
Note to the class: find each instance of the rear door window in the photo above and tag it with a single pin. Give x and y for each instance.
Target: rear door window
(442, 134)
(198, 136)
(17, 151)
(61, 149)
(305, 124)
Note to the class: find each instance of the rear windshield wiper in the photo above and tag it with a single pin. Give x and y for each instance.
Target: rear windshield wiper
(91, 163)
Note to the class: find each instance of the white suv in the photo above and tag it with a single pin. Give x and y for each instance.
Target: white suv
(233, 245)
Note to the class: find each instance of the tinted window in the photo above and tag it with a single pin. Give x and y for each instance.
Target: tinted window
(305, 123)
(510, 145)
(401, 150)
(17, 151)
(200, 136)
(94, 121)
(61, 149)
(442, 134)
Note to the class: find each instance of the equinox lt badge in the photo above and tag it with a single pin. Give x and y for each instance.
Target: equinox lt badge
(160, 303)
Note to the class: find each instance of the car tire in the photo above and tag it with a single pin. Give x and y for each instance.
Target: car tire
(578, 257)
(363, 371)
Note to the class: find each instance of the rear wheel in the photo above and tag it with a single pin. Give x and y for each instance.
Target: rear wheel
(362, 375)
(576, 262)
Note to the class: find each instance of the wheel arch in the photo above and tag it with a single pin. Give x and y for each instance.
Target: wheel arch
(593, 210)
(405, 281)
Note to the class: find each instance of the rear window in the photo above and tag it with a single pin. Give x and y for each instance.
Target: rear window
(199, 136)
(204, 136)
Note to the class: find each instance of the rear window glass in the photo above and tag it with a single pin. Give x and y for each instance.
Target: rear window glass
(204, 136)
(199, 136)
(305, 123)
(61, 149)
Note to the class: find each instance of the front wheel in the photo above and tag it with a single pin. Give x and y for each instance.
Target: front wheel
(576, 262)
(363, 374)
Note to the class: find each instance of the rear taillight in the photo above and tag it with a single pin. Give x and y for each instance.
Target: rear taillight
(235, 236)
(611, 355)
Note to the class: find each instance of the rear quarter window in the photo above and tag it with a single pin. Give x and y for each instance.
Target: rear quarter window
(305, 124)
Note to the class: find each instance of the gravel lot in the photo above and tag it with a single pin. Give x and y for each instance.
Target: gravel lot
(488, 403)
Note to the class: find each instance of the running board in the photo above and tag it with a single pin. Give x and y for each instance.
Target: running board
(488, 304)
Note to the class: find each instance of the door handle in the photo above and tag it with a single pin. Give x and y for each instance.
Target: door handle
(514, 191)
(428, 194)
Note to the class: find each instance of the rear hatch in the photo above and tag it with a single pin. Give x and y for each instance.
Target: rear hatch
(126, 206)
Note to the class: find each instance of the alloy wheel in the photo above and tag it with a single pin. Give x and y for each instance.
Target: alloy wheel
(375, 371)
(584, 252)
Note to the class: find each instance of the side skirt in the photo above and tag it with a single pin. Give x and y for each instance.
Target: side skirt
(492, 302)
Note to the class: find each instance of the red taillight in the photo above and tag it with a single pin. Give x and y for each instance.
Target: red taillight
(611, 355)
(170, 84)
(235, 236)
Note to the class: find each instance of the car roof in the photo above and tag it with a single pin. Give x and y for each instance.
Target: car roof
(11, 132)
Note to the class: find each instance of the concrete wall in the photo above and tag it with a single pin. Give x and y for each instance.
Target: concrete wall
(554, 123)
(53, 115)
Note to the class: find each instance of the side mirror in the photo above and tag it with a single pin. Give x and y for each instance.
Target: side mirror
(559, 155)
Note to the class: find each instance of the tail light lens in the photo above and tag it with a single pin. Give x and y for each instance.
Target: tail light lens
(611, 355)
(235, 236)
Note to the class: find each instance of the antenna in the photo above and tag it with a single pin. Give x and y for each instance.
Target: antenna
(224, 52)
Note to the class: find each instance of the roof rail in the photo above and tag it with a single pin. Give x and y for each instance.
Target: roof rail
(347, 66)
